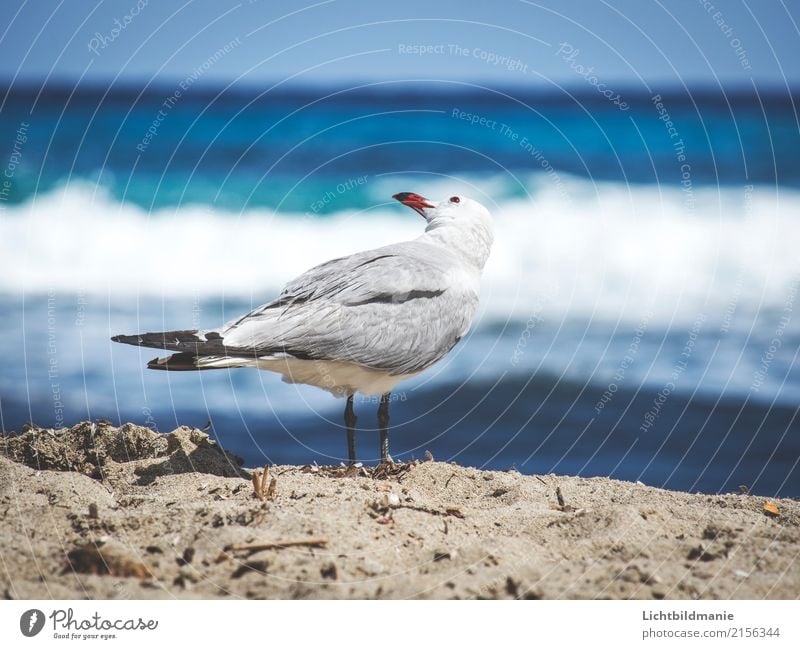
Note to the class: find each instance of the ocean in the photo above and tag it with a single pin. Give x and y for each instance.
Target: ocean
(638, 316)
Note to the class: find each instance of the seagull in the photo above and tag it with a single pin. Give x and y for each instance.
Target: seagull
(361, 323)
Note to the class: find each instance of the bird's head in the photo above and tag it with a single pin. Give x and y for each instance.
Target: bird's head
(459, 220)
(456, 209)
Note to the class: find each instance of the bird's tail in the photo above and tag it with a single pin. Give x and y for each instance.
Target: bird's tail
(186, 362)
(196, 350)
(186, 340)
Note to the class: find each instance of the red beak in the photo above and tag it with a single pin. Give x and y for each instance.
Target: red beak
(414, 201)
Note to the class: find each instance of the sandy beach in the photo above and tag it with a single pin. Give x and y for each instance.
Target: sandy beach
(101, 512)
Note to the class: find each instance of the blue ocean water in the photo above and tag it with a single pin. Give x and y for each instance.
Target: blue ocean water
(638, 312)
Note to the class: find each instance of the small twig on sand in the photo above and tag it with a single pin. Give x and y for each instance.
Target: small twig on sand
(562, 505)
(276, 545)
(316, 542)
(252, 548)
(449, 511)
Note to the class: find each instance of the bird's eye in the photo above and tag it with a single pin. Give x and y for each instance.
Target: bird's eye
(455, 199)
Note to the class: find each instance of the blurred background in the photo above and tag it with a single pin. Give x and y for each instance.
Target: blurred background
(171, 165)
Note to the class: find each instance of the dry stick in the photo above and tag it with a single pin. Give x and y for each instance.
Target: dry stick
(449, 511)
(562, 505)
(277, 545)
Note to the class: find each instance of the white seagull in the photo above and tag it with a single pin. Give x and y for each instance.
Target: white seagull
(361, 323)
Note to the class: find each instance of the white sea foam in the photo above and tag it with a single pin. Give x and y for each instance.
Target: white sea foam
(610, 251)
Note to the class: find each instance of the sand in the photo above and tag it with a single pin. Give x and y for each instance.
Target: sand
(101, 512)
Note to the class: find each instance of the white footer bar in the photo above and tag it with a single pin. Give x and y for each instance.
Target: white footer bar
(401, 624)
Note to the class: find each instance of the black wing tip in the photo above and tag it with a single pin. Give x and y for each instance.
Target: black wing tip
(180, 362)
(164, 364)
(164, 339)
(156, 365)
(130, 340)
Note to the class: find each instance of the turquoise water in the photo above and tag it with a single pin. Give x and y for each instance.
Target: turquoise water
(284, 149)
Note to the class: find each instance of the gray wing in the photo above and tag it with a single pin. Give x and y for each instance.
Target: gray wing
(398, 309)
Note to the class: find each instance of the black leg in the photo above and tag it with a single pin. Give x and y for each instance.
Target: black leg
(383, 424)
(350, 423)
